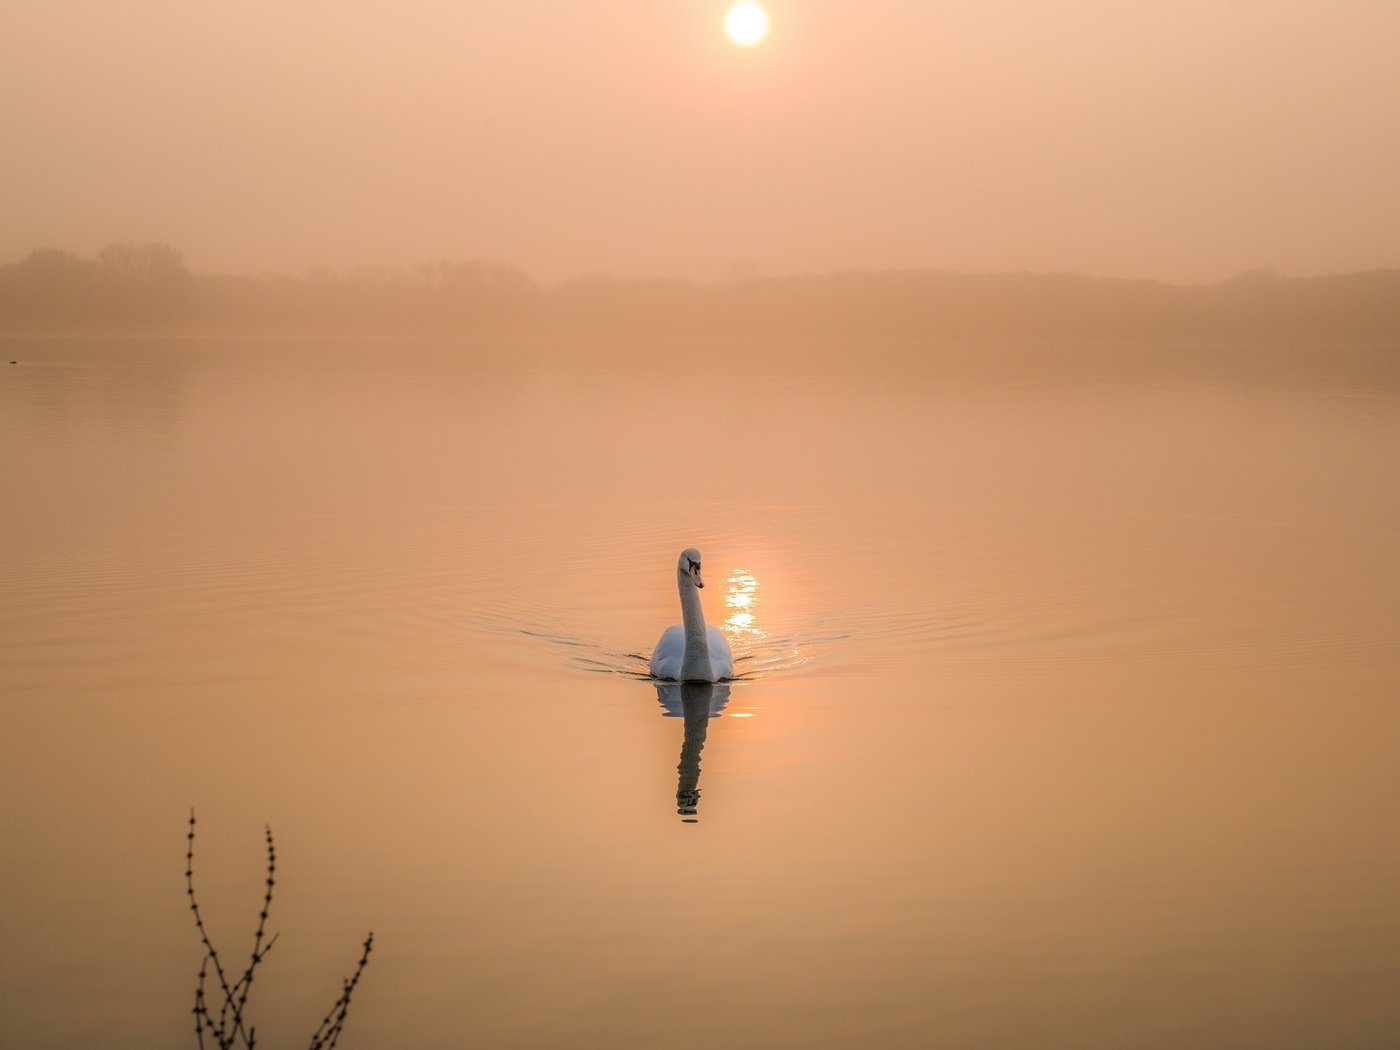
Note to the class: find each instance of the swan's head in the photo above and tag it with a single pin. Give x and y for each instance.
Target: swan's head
(689, 565)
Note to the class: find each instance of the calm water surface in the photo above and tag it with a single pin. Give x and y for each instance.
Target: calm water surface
(1067, 714)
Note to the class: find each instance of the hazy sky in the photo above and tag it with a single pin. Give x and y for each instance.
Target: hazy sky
(1178, 139)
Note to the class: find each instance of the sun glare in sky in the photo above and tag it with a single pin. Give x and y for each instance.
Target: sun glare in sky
(746, 23)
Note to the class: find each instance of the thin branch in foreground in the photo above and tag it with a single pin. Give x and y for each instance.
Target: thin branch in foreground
(326, 1036)
(227, 1027)
(226, 1034)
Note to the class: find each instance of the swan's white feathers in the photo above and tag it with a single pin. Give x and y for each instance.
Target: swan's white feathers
(721, 659)
(669, 654)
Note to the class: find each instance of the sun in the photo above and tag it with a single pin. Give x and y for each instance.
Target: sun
(746, 23)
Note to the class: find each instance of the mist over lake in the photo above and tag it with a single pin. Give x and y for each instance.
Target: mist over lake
(744, 524)
(1063, 693)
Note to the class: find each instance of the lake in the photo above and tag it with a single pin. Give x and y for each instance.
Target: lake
(1065, 712)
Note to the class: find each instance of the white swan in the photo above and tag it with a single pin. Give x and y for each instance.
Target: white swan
(691, 651)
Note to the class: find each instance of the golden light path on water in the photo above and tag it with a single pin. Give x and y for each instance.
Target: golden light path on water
(741, 598)
(760, 651)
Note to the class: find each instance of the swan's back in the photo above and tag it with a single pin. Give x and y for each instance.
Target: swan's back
(669, 652)
(721, 659)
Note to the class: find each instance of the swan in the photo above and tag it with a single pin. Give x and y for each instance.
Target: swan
(691, 651)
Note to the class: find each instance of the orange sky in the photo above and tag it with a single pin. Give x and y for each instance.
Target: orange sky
(1177, 139)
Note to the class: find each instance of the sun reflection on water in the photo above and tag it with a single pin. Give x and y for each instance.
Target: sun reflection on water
(741, 599)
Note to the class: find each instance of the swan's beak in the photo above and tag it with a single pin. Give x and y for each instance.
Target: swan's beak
(695, 577)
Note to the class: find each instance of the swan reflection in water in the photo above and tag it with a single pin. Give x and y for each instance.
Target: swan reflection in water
(697, 703)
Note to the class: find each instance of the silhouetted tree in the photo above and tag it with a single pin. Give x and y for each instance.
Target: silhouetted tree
(145, 282)
(142, 264)
(50, 283)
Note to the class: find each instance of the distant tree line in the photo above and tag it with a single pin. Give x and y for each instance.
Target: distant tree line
(147, 288)
(126, 284)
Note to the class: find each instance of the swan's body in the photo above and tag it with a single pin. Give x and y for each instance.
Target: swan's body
(691, 651)
(668, 658)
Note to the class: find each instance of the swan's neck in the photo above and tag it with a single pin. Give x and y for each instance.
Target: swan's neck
(695, 666)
